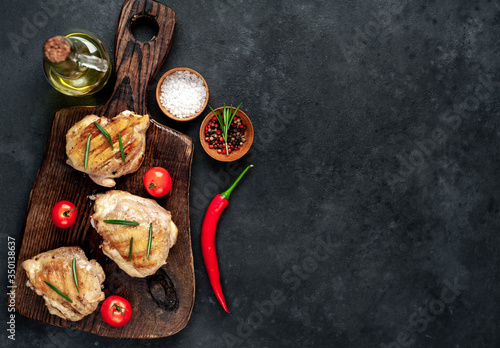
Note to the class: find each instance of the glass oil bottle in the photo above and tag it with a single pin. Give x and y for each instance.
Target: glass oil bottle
(76, 64)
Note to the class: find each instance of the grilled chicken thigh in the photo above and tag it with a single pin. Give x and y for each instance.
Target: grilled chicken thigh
(121, 205)
(55, 267)
(105, 163)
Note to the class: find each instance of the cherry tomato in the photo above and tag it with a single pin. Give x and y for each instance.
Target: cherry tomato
(116, 311)
(157, 181)
(64, 214)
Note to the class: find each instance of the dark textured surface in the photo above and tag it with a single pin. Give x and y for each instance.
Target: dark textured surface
(376, 150)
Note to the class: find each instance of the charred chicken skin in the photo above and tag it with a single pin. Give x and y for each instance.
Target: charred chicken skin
(55, 267)
(104, 162)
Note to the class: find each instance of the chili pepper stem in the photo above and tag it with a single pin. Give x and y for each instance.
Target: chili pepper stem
(227, 193)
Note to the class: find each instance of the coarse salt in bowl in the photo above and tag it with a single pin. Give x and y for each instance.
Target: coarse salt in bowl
(182, 94)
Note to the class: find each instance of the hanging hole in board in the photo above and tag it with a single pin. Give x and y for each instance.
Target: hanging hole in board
(144, 28)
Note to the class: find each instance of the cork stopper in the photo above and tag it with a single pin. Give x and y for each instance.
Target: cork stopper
(56, 49)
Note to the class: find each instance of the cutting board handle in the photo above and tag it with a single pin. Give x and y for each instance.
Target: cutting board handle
(138, 62)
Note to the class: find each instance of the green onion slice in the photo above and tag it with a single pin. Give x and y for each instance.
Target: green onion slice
(105, 133)
(121, 222)
(73, 266)
(150, 239)
(130, 250)
(58, 291)
(87, 150)
(121, 147)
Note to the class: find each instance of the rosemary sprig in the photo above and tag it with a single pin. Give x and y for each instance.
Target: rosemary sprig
(58, 291)
(105, 133)
(225, 121)
(121, 222)
(121, 147)
(87, 150)
(73, 266)
(130, 250)
(150, 239)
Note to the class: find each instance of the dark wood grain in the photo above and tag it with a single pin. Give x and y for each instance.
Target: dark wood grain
(162, 303)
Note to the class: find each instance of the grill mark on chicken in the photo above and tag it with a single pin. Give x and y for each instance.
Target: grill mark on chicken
(104, 163)
(127, 148)
(104, 143)
(55, 267)
(105, 147)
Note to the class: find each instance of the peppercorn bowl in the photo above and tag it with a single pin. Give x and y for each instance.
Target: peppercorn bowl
(212, 148)
(164, 109)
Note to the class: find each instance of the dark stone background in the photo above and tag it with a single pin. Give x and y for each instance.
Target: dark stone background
(376, 148)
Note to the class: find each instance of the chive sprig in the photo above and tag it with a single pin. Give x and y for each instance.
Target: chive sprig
(150, 239)
(130, 249)
(75, 277)
(121, 222)
(105, 133)
(121, 147)
(87, 150)
(58, 291)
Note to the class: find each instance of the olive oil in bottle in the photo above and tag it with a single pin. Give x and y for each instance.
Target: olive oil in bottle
(76, 64)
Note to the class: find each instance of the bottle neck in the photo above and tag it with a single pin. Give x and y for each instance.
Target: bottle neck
(61, 54)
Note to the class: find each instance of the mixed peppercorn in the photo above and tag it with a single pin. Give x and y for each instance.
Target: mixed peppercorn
(235, 135)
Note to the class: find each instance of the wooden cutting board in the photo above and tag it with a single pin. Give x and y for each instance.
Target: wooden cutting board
(161, 303)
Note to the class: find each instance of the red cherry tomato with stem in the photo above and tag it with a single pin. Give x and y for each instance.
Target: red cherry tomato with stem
(116, 311)
(157, 182)
(64, 214)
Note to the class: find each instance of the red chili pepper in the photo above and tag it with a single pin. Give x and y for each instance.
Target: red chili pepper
(208, 229)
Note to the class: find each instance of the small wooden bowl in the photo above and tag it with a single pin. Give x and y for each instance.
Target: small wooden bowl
(158, 95)
(233, 156)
